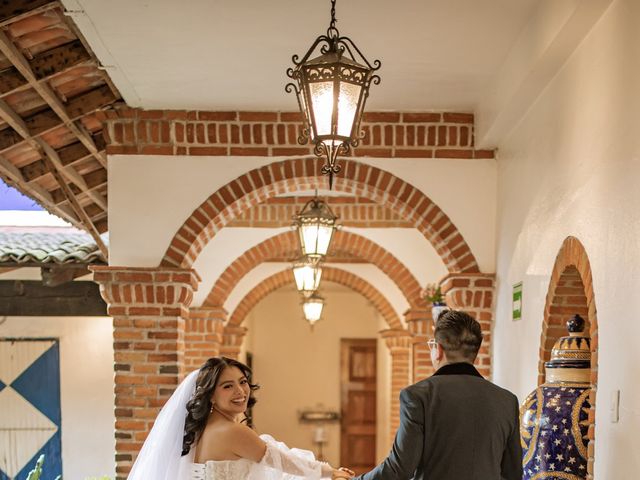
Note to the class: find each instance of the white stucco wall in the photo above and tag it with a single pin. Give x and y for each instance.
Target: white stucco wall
(571, 167)
(86, 390)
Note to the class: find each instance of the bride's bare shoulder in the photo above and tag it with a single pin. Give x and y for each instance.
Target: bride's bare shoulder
(228, 441)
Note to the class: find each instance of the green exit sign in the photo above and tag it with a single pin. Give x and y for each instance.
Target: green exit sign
(517, 301)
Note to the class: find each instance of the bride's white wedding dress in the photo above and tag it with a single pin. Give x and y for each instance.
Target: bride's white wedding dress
(279, 463)
(161, 455)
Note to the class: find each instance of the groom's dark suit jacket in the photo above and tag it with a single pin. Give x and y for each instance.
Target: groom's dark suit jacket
(454, 425)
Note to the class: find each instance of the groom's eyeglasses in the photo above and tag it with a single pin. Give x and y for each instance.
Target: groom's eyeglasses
(432, 343)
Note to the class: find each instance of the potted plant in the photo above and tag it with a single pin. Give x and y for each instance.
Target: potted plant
(433, 294)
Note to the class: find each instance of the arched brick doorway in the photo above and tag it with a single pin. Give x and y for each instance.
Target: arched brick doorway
(329, 274)
(296, 175)
(571, 292)
(397, 339)
(287, 244)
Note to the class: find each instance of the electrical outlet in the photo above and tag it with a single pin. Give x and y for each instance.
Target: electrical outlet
(614, 408)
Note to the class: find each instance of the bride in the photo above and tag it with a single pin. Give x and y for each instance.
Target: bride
(200, 435)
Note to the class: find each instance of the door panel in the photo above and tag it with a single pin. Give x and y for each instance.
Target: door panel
(358, 386)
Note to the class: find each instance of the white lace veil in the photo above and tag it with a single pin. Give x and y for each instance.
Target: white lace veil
(161, 455)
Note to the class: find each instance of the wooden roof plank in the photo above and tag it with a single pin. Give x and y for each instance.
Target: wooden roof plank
(13, 10)
(13, 174)
(86, 221)
(47, 120)
(46, 65)
(44, 90)
(13, 119)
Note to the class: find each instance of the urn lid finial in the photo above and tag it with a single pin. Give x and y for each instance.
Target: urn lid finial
(575, 324)
(572, 351)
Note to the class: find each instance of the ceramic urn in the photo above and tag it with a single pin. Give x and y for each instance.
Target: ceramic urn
(554, 417)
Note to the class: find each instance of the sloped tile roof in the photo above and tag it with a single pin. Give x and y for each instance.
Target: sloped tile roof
(57, 248)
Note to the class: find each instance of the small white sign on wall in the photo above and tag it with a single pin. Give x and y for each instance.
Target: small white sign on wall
(516, 308)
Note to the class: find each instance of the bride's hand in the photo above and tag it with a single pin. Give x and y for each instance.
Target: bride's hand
(342, 472)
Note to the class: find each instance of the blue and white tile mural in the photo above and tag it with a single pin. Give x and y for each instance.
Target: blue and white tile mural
(29, 407)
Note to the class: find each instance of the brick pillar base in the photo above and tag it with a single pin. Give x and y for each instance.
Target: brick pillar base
(149, 307)
(203, 335)
(420, 323)
(400, 344)
(473, 293)
(233, 337)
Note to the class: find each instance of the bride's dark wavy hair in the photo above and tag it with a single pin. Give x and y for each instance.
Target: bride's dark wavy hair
(199, 407)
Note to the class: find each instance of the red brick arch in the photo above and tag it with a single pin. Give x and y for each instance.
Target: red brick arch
(286, 243)
(330, 274)
(295, 175)
(571, 292)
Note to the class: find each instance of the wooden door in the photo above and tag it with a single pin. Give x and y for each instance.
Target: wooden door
(358, 404)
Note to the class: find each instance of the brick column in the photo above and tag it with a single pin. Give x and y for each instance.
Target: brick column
(149, 307)
(400, 344)
(203, 335)
(233, 337)
(473, 293)
(420, 324)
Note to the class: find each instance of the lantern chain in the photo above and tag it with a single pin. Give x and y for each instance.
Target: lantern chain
(332, 31)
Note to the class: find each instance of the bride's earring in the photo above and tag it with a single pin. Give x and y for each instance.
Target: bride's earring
(211, 409)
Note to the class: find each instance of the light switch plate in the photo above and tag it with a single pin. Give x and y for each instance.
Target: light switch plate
(614, 408)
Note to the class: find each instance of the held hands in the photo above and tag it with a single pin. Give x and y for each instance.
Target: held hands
(342, 472)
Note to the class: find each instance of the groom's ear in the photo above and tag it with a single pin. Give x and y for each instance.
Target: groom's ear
(440, 355)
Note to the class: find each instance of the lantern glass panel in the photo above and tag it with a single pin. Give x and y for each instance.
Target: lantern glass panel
(322, 104)
(307, 277)
(312, 309)
(315, 238)
(347, 107)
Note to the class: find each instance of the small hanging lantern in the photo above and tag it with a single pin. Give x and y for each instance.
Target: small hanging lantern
(307, 274)
(316, 224)
(312, 308)
(332, 89)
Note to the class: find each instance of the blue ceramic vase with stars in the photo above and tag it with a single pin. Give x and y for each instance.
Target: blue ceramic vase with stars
(554, 417)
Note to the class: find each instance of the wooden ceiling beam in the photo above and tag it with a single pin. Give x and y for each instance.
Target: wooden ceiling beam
(47, 120)
(48, 95)
(54, 275)
(45, 150)
(14, 10)
(45, 66)
(88, 224)
(31, 298)
(49, 154)
(69, 156)
(13, 174)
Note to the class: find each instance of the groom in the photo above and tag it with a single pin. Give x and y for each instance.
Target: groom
(454, 425)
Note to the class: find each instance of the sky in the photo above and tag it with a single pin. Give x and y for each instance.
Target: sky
(11, 199)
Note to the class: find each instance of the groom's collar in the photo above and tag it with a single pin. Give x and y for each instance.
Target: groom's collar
(461, 368)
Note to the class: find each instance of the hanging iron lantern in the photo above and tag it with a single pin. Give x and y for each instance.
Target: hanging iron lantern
(316, 224)
(312, 308)
(332, 89)
(307, 274)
